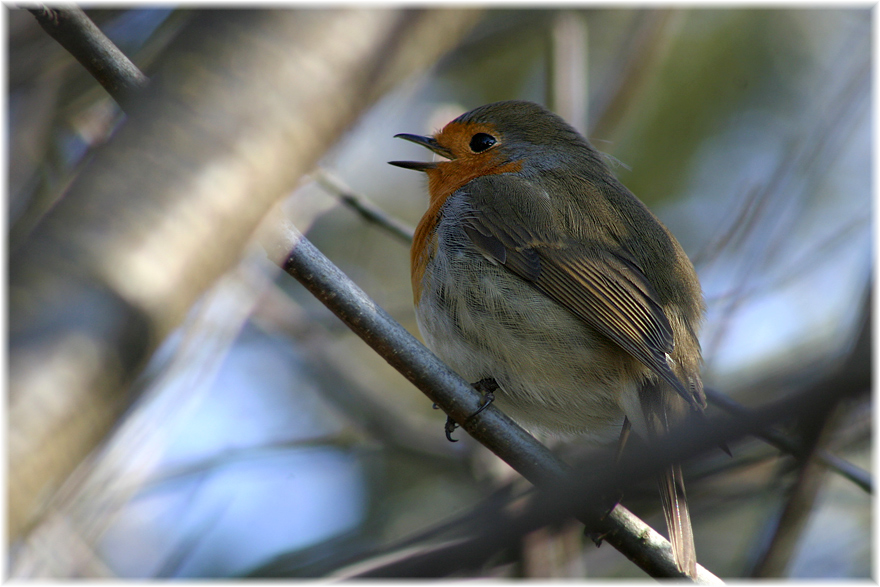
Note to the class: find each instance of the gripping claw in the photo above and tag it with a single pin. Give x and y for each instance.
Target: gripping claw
(486, 387)
(450, 428)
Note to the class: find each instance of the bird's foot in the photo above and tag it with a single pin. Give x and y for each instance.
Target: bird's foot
(486, 387)
(592, 532)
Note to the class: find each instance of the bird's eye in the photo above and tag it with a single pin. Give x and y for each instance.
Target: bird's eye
(481, 141)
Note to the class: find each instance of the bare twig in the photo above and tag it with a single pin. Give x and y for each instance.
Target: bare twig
(78, 34)
(363, 206)
(834, 463)
(786, 528)
(458, 399)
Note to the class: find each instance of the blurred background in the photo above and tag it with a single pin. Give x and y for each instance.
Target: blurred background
(266, 440)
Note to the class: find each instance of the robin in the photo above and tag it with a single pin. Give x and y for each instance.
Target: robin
(539, 275)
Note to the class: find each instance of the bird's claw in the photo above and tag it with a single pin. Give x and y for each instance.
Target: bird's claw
(486, 387)
(450, 428)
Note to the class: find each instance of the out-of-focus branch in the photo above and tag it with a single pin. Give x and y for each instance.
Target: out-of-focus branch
(834, 463)
(788, 526)
(459, 400)
(360, 204)
(243, 104)
(631, 73)
(853, 372)
(77, 33)
(567, 86)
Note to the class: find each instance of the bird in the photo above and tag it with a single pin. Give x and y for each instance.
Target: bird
(536, 271)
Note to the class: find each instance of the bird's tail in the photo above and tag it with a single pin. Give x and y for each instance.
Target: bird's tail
(662, 409)
(678, 520)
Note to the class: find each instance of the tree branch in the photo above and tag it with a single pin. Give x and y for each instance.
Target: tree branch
(78, 34)
(562, 493)
(775, 438)
(788, 525)
(496, 529)
(364, 207)
(457, 398)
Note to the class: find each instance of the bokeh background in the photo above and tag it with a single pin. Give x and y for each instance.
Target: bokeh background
(268, 441)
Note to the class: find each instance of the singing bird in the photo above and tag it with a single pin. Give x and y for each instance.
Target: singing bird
(536, 269)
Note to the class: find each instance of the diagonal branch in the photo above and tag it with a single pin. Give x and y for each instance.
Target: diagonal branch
(832, 462)
(458, 399)
(78, 34)
(788, 525)
(499, 528)
(563, 495)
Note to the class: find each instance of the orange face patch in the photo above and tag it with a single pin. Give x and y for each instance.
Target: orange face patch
(465, 165)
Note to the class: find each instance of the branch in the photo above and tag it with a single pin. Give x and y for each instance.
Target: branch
(458, 399)
(788, 526)
(854, 370)
(364, 207)
(531, 459)
(775, 438)
(78, 34)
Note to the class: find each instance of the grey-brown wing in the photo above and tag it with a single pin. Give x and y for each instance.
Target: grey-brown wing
(606, 289)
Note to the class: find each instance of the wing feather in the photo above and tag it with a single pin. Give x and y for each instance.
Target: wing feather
(604, 288)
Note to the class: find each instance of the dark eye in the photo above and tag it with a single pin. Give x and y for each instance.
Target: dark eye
(481, 141)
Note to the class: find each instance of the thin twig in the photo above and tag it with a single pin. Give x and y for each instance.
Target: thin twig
(788, 526)
(76, 32)
(363, 206)
(834, 463)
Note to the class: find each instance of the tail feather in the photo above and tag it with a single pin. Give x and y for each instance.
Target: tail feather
(678, 520)
(662, 409)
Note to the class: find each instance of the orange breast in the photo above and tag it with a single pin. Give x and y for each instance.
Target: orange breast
(447, 178)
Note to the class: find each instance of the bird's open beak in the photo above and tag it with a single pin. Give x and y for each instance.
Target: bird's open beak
(428, 142)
